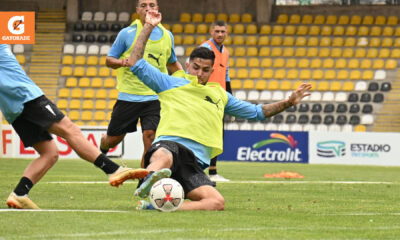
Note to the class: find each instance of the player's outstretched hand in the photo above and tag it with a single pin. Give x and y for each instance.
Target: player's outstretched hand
(301, 92)
(153, 17)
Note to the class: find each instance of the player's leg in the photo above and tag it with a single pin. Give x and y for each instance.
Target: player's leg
(149, 119)
(204, 198)
(212, 170)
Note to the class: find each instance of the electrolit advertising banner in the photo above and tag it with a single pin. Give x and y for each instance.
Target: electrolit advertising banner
(355, 148)
(265, 146)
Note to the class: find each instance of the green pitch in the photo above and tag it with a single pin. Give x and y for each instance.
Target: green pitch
(331, 202)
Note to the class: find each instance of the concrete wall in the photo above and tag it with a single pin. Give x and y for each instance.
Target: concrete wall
(31, 5)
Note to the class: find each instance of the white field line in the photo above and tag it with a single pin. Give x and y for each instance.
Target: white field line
(186, 230)
(361, 214)
(63, 210)
(242, 182)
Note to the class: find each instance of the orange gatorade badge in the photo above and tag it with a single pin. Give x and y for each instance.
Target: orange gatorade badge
(17, 27)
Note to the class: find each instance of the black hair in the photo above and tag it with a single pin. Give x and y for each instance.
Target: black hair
(203, 53)
(137, 2)
(220, 23)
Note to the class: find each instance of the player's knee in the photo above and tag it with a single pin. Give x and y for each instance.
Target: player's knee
(52, 156)
(218, 204)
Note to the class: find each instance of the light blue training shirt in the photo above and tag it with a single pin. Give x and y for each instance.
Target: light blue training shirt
(160, 82)
(123, 42)
(16, 88)
(227, 79)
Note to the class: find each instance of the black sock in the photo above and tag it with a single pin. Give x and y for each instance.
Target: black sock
(212, 171)
(23, 187)
(213, 163)
(106, 164)
(104, 151)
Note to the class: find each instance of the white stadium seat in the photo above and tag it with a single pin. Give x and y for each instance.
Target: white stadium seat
(360, 86)
(315, 96)
(380, 75)
(81, 49)
(18, 48)
(277, 96)
(179, 51)
(87, 16)
(328, 97)
(347, 128)
(271, 127)
(232, 126)
(99, 16)
(309, 127)
(367, 119)
(69, 49)
(240, 94)
(245, 126)
(283, 127)
(124, 17)
(265, 95)
(93, 50)
(322, 128)
(104, 49)
(296, 127)
(341, 97)
(253, 95)
(258, 126)
(334, 128)
(111, 17)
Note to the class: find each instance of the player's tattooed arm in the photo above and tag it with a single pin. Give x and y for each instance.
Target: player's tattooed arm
(296, 96)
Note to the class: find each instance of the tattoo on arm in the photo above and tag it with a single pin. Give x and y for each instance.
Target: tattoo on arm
(140, 44)
(275, 108)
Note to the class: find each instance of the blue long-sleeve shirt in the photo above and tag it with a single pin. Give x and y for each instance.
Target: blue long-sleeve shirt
(160, 82)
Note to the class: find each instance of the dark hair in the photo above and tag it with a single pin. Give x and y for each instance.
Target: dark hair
(137, 2)
(220, 23)
(203, 53)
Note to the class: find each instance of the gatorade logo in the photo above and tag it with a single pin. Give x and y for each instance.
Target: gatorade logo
(17, 27)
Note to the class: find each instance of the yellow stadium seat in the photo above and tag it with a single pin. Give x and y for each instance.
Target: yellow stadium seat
(277, 29)
(209, 18)
(267, 74)
(380, 20)
(87, 104)
(324, 52)
(319, 19)
(337, 42)
(114, 73)
(288, 52)
(325, 42)
(335, 86)
(294, 19)
(167, 26)
(354, 63)
(280, 74)
(360, 53)
(71, 82)
(231, 62)
(351, 31)
(74, 115)
(384, 53)
(102, 60)
(312, 41)
(348, 52)
(223, 17)
(288, 41)
(390, 64)
(238, 40)
(342, 75)
(242, 73)
(109, 115)
(330, 74)
(248, 84)
(290, 30)
(79, 71)
(234, 18)
(360, 128)
(189, 50)
(291, 63)
(265, 29)
(177, 28)
(343, 20)
(228, 40)
(263, 40)
(300, 41)
(202, 29)
(252, 51)
(307, 19)
(355, 75)
(97, 82)
(350, 42)
(305, 74)
(90, 72)
(279, 63)
(241, 62)
(202, 38)
(266, 62)
(63, 93)
(236, 84)
(84, 82)
(387, 31)
(326, 30)
(372, 53)
(378, 64)
(92, 60)
(189, 28)
(341, 63)
(292, 74)
(304, 63)
(282, 19)
(238, 28)
(338, 31)
(300, 52)
(395, 53)
(86, 116)
(323, 86)
(273, 85)
(396, 42)
(302, 30)
(297, 84)
(363, 31)
(197, 18)
(75, 104)
(368, 20)
(387, 42)
(101, 94)
(247, 18)
(67, 60)
(185, 17)
(375, 42)
(285, 85)
(355, 20)
(331, 19)
(113, 94)
(100, 105)
(88, 93)
(66, 71)
(104, 72)
(392, 20)
(328, 63)
(240, 51)
(276, 52)
(99, 116)
(110, 104)
(336, 52)
(80, 60)
(254, 62)
(376, 31)
(366, 64)
(264, 52)
(261, 85)
(312, 52)
(348, 86)
(316, 63)
(232, 73)
(314, 30)
(62, 104)
(251, 29)
(367, 75)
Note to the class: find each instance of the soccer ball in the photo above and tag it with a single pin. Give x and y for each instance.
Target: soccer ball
(167, 195)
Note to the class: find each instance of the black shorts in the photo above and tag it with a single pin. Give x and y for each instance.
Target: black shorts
(125, 117)
(38, 115)
(185, 168)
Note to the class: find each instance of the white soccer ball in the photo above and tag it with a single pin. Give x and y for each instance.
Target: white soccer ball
(167, 195)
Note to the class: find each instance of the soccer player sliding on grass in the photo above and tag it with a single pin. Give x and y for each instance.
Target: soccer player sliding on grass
(190, 129)
(34, 117)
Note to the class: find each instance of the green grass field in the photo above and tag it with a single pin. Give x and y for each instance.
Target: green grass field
(331, 202)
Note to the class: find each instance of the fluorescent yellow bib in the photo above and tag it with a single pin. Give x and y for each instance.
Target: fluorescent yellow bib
(194, 111)
(156, 53)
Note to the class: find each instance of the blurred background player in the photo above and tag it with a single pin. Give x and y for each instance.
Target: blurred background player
(34, 117)
(136, 100)
(184, 148)
(219, 31)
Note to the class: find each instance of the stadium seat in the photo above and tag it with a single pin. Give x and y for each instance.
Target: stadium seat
(84, 82)
(223, 17)
(113, 94)
(87, 16)
(87, 104)
(74, 115)
(294, 19)
(378, 98)
(93, 50)
(343, 20)
(282, 19)
(246, 18)
(77, 37)
(90, 72)
(209, 18)
(75, 104)
(392, 20)
(365, 97)
(367, 108)
(234, 18)
(102, 38)
(189, 28)
(63, 93)
(302, 30)
(240, 94)
(316, 119)
(99, 16)
(197, 18)
(123, 17)
(104, 49)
